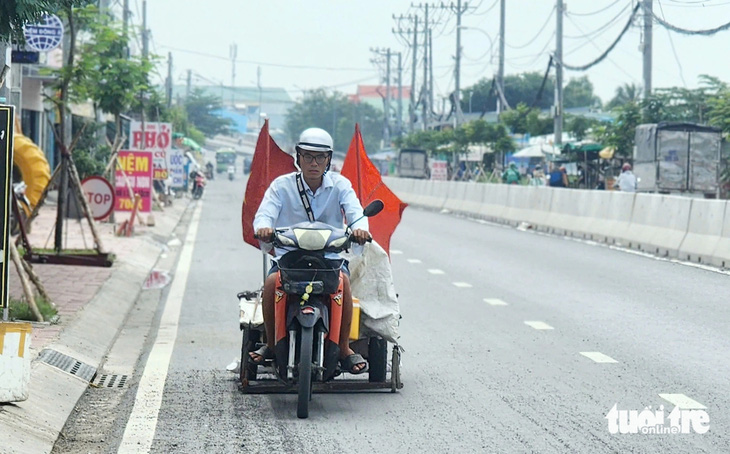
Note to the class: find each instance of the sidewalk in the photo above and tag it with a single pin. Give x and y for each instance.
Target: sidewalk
(92, 304)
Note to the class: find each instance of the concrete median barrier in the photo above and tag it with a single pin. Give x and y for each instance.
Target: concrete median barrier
(704, 230)
(473, 198)
(495, 202)
(658, 224)
(435, 194)
(609, 215)
(721, 255)
(565, 211)
(455, 193)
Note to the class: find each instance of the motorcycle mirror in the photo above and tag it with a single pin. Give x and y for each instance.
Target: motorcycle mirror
(373, 208)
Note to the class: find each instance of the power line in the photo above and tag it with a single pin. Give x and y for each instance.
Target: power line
(610, 48)
(684, 31)
(600, 29)
(674, 51)
(537, 35)
(594, 12)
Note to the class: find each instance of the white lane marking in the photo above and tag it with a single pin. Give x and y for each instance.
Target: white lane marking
(538, 325)
(462, 284)
(142, 423)
(434, 271)
(683, 402)
(414, 261)
(598, 357)
(396, 252)
(494, 302)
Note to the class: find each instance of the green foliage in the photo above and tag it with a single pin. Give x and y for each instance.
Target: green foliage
(579, 93)
(620, 134)
(523, 89)
(524, 120)
(89, 157)
(625, 94)
(337, 115)
(20, 310)
(200, 109)
(477, 132)
(578, 126)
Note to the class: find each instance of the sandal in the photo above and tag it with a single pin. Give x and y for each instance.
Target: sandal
(264, 353)
(348, 364)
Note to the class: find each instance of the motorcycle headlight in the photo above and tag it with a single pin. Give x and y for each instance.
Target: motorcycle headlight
(312, 240)
(338, 242)
(284, 240)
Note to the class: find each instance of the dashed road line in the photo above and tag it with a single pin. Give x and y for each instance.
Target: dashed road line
(598, 357)
(395, 252)
(414, 261)
(538, 325)
(683, 402)
(435, 271)
(462, 284)
(495, 302)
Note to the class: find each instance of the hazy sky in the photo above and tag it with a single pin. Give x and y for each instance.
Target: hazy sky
(314, 43)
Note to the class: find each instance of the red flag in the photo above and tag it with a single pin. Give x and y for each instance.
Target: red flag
(269, 162)
(369, 186)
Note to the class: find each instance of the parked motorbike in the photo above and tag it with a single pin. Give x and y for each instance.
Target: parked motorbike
(308, 312)
(198, 185)
(23, 208)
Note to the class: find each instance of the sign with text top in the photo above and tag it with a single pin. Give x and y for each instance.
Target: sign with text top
(156, 138)
(6, 180)
(45, 35)
(99, 195)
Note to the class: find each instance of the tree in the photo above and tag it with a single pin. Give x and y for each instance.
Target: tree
(524, 88)
(579, 93)
(200, 110)
(626, 93)
(526, 120)
(579, 125)
(337, 115)
(620, 134)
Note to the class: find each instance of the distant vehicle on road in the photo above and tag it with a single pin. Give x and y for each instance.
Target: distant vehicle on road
(223, 158)
(413, 163)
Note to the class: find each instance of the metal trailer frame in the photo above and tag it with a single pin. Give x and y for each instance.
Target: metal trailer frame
(271, 383)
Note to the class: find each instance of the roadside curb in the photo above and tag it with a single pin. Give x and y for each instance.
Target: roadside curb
(35, 424)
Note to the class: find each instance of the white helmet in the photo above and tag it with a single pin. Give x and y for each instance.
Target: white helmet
(315, 139)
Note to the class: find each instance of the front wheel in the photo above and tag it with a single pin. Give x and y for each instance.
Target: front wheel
(305, 372)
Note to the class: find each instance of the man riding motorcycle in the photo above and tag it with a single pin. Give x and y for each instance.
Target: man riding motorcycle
(325, 196)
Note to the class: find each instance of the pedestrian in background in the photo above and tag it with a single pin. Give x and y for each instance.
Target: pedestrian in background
(538, 177)
(626, 182)
(559, 177)
(511, 175)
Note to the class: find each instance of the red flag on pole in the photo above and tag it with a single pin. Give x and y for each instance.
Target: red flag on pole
(369, 186)
(269, 162)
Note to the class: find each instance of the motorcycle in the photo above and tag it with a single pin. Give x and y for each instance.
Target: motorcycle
(198, 185)
(230, 175)
(24, 209)
(307, 311)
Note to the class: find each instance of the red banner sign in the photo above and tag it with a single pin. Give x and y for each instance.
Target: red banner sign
(137, 166)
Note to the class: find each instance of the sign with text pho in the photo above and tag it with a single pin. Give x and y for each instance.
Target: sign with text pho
(6, 180)
(156, 138)
(134, 170)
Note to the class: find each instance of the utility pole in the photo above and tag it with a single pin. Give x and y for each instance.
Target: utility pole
(386, 128)
(647, 47)
(558, 128)
(425, 106)
(413, 44)
(168, 82)
(233, 53)
(145, 32)
(258, 84)
(457, 74)
(125, 16)
(430, 71)
(400, 96)
(500, 70)
(189, 85)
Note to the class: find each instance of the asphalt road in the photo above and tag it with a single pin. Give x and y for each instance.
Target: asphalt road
(494, 323)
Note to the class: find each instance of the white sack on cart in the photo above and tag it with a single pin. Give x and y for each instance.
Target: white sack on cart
(371, 281)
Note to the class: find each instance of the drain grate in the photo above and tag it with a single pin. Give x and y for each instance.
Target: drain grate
(110, 381)
(67, 364)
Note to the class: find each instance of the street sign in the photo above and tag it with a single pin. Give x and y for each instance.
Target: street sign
(439, 170)
(45, 35)
(6, 180)
(99, 194)
(24, 57)
(137, 166)
(157, 138)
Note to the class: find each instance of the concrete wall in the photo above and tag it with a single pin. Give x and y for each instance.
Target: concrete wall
(690, 229)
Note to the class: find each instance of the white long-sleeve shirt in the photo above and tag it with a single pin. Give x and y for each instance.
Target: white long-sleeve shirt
(282, 206)
(626, 182)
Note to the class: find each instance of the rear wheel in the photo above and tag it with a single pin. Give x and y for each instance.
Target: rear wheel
(305, 372)
(247, 368)
(377, 359)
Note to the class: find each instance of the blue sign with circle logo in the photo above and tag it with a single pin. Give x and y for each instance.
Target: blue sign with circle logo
(45, 35)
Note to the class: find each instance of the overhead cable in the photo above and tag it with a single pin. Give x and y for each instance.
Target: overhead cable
(684, 31)
(593, 12)
(537, 35)
(610, 48)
